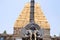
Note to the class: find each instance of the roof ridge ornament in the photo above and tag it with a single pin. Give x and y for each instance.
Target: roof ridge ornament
(32, 11)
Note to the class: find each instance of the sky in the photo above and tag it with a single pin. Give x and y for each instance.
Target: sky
(10, 10)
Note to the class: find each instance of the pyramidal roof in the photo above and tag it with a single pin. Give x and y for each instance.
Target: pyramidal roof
(23, 18)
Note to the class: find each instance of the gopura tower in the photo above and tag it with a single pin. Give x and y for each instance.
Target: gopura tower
(32, 23)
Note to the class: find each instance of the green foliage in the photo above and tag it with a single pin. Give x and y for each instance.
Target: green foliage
(5, 32)
(54, 35)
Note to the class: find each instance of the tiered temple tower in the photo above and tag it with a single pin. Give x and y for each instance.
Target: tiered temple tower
(32, 18)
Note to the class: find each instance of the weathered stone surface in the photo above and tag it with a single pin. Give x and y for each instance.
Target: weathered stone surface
(46, 34)
(39, 17)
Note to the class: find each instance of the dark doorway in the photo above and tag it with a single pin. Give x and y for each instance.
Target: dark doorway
(33, 37)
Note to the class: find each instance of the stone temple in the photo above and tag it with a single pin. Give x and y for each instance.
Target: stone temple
(32, 24)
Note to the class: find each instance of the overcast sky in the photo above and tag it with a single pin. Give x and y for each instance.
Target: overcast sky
(10, 9)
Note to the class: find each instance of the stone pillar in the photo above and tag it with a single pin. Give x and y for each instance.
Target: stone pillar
(46, 35)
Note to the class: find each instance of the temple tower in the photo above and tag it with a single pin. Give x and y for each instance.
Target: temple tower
(32, 18)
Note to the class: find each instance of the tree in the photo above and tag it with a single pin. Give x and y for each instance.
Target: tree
(5, 32)
(54, 35)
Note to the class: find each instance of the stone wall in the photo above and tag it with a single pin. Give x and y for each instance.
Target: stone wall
(6, 37)
(46, 35)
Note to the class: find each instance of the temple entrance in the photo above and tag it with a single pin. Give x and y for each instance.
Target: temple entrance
(32, 39)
